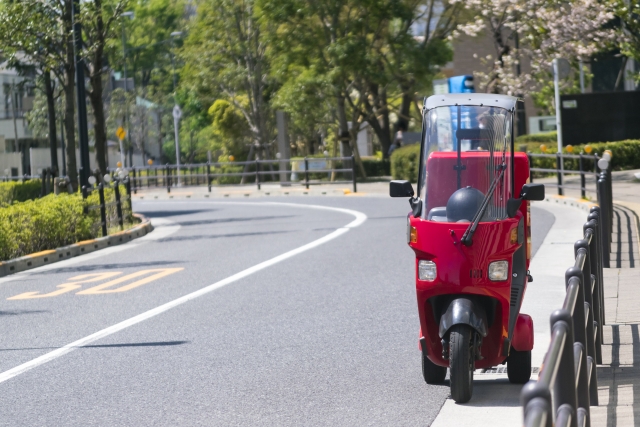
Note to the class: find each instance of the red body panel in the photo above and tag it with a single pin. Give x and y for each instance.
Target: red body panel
(463, 270)
(523, 333)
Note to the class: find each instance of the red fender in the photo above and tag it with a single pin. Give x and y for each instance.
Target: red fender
(523, 333)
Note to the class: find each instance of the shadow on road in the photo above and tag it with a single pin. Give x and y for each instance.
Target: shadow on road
(21, 312)
(110, 266)
(226, 220)
(134, 344)
(159, 214)
(218, 236)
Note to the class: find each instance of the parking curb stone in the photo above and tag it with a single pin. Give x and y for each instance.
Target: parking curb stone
(50, 256)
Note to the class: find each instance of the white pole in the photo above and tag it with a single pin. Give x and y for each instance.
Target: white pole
(557, 90)
(176, 123)
(581, 78)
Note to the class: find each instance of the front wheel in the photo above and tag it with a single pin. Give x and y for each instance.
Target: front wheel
(432, 373)
(519, 366)
(461, 363)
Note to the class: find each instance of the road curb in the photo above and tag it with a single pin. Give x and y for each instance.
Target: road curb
(50, 256)
(585, 205)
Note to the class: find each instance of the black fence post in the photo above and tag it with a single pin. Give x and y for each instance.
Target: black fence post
(583, 182)
(306, 172)
(536, 403)
(208, 176)
(353, 173)
(530, 166)
(605, 223)
(559, 170)
(564, 388)
(573, 277)
(116, 189)
(258, 175)
(135, 185)
(84, 192)
(43, 189)
(168, 178)
(103, 210)
(594, 214)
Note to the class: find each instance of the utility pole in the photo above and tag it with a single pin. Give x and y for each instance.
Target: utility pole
(83, 133)
(177, 113)
(126, 90)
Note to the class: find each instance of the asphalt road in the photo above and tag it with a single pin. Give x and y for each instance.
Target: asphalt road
(327, 336)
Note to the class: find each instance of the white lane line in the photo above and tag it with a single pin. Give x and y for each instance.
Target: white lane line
(162, 228)
(20, 369)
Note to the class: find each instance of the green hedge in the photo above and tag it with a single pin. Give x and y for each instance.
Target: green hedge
(541, 138)
(17, 191)
(41, 224)
(405, 161)
(376, 167)
(54, 221)
(624, 155)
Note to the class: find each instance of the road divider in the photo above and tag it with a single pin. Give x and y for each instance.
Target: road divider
(39, 259)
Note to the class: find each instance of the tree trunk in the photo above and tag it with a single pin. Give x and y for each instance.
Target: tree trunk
(95, 95)
(51, 109)
(69, 95)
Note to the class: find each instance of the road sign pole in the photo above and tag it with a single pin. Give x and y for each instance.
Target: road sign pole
(177, 113)
(121, 152)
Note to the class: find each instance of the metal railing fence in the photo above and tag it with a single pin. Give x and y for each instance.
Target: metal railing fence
(111, 211)
(310, 171)
(567, 384)
(584, 161)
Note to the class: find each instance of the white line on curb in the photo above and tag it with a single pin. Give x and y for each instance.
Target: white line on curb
(20, 369)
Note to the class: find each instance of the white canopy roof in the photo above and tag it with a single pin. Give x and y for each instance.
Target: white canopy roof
(480, 99)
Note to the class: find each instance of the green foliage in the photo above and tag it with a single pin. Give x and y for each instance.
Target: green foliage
(541, 138)
(17, 191)
(405, 161)
(227, 120)
(376, 167)
(41, 224)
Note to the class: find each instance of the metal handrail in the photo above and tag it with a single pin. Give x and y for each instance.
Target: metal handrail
(560, 170)
(567, 383)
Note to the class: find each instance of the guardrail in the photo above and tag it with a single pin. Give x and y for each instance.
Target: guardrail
(567, 384)
(110, 211)
(560, 170)
(307, 172)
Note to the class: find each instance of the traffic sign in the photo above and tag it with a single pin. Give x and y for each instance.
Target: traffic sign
(121, 133)
(177, 112)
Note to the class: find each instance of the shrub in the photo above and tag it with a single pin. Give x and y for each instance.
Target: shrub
(17, 191)
(376, 167)
(41, 224)
(624, 155)
(405, 161)
(540, 138)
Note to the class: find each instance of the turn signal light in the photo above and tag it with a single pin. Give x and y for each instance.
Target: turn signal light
(413, 235)
(514, 235)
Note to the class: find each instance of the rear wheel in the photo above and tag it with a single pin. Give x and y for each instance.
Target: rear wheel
(461, 362)
(519, 366)
(432, 373)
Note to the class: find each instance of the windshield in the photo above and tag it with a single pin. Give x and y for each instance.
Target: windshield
(466, 149)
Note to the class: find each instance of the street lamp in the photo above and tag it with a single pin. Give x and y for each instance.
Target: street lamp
(129, 15)
(177, 113)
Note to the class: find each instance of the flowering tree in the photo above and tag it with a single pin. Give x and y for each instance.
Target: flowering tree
(531, 33)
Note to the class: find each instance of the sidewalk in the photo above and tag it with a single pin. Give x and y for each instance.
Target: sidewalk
(619, 375)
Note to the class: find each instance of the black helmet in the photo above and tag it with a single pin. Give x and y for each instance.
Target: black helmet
(463, 204)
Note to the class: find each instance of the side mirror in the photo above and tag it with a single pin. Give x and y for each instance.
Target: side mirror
(512, 207)
(400, 188)
(532, 192)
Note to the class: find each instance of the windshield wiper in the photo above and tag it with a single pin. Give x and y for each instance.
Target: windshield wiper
(467, 237)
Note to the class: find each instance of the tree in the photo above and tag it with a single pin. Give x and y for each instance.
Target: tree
(225, 57)
(544, 29)
(99, 23)
(39, 34)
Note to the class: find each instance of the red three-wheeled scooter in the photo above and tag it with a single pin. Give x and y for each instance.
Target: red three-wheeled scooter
(470, 229)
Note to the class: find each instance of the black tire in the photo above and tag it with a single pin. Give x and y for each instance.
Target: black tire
(519, 366)
(461, 363)
(432, 373)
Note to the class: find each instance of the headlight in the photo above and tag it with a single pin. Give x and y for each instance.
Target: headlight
(427, 270)
(499, 271)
